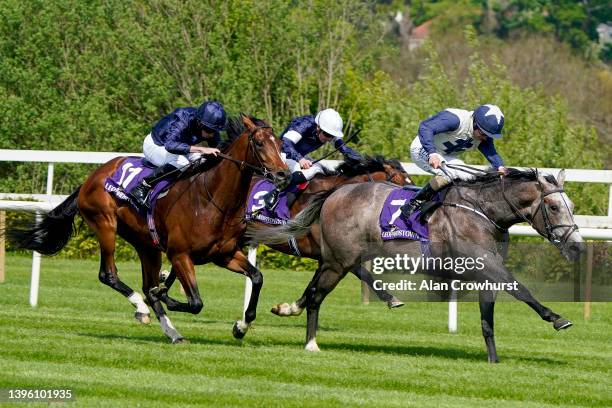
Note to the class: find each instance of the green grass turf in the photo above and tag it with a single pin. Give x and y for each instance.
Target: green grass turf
(82, 336)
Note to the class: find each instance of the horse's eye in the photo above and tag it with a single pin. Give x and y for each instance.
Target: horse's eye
(554, 207)
(258, 143)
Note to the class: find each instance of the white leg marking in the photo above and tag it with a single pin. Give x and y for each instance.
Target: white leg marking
(136, 300)
(168, 328)
(295, 309)
(242, 326)
(312, 346)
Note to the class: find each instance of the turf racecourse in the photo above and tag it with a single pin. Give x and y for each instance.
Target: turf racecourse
(83, 337)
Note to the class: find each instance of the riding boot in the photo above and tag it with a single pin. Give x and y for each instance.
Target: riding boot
(421, 196)
(141, 191)
(271, 199)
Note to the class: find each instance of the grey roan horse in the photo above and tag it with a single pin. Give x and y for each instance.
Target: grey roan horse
(474, 214)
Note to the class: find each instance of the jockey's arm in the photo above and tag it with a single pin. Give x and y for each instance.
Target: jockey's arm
(441, 122)
(289, 140)
(345, 150)
(487, 148)
(173, 143)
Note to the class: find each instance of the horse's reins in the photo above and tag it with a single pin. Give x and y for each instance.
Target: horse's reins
(465, 207)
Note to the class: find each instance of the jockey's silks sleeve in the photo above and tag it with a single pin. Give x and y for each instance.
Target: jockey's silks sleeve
(441, 122)
(290, 150)
(488, 149)
(173, 142)
(344, 149)
(179, 130)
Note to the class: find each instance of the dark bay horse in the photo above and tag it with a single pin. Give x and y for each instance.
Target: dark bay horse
(473, 219)
(199, 221)
(368, 169)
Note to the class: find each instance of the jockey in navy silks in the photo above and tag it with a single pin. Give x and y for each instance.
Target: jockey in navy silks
(171, 144)
(445, 135)
(303, 135)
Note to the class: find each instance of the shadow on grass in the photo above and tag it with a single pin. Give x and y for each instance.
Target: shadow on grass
(401, 350)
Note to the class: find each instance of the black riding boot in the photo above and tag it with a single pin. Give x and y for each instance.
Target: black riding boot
(421, 196)
(271, 199)
(141, 191)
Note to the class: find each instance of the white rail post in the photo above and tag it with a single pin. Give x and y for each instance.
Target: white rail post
(452, 312)
(248, 286)
(35, 281)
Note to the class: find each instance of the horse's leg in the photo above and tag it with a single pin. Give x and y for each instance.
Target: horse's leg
(495, 272)
(364, 275)
(182, 266)
(487, 308)
(325, 283)
(296, 308)
(151, 264)
(173, 304)
(105, 227)
(239, 263)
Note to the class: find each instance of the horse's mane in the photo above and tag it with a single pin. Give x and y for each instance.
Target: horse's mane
(490, 176)
(235, 127)
(368, 164)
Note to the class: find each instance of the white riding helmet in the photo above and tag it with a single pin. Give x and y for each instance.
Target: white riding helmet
(330, 122)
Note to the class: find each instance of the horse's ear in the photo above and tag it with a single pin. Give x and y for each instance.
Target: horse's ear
(561, 177)
(248, 122)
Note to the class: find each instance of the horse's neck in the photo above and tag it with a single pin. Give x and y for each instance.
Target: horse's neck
(490, 200)
(226, 183)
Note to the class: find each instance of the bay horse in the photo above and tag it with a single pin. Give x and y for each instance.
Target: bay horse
(473, 218)
(198, 221)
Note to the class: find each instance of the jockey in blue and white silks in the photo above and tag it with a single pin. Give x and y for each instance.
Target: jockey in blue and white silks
(445, 135)
(303, 135)
(171, 145)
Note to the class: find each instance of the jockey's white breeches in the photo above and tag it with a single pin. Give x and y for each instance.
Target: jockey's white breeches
(158, 155)
(421, 159)
(317, 168)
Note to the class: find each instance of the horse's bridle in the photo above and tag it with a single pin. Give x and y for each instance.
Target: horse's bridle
(550, 228)
(242, 164)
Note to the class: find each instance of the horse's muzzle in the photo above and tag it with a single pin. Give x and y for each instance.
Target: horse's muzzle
(573, 250)
(281, 176)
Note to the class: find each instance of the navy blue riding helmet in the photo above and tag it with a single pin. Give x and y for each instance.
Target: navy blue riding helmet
(212, 115)
(490, 120)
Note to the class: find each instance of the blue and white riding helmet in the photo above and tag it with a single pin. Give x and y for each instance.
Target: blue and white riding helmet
(212, 115)
(489, 119)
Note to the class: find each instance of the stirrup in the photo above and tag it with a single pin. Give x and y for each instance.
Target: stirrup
(271, 200)
(140, 194)
(409, 208)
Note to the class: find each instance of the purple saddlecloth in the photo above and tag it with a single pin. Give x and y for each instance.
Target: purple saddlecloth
(256, 210)
(392, 223)
(127, 176)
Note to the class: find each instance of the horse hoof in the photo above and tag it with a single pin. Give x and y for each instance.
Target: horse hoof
(281, 309)
(394, 303)
(312, 346)
(143, 318)
(180, 340)
(238, 330)
(562, 323)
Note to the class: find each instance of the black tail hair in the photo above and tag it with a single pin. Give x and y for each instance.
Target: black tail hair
(49, 234)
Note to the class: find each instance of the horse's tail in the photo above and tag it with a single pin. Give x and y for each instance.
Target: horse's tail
(51, 233)
(295, 228)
